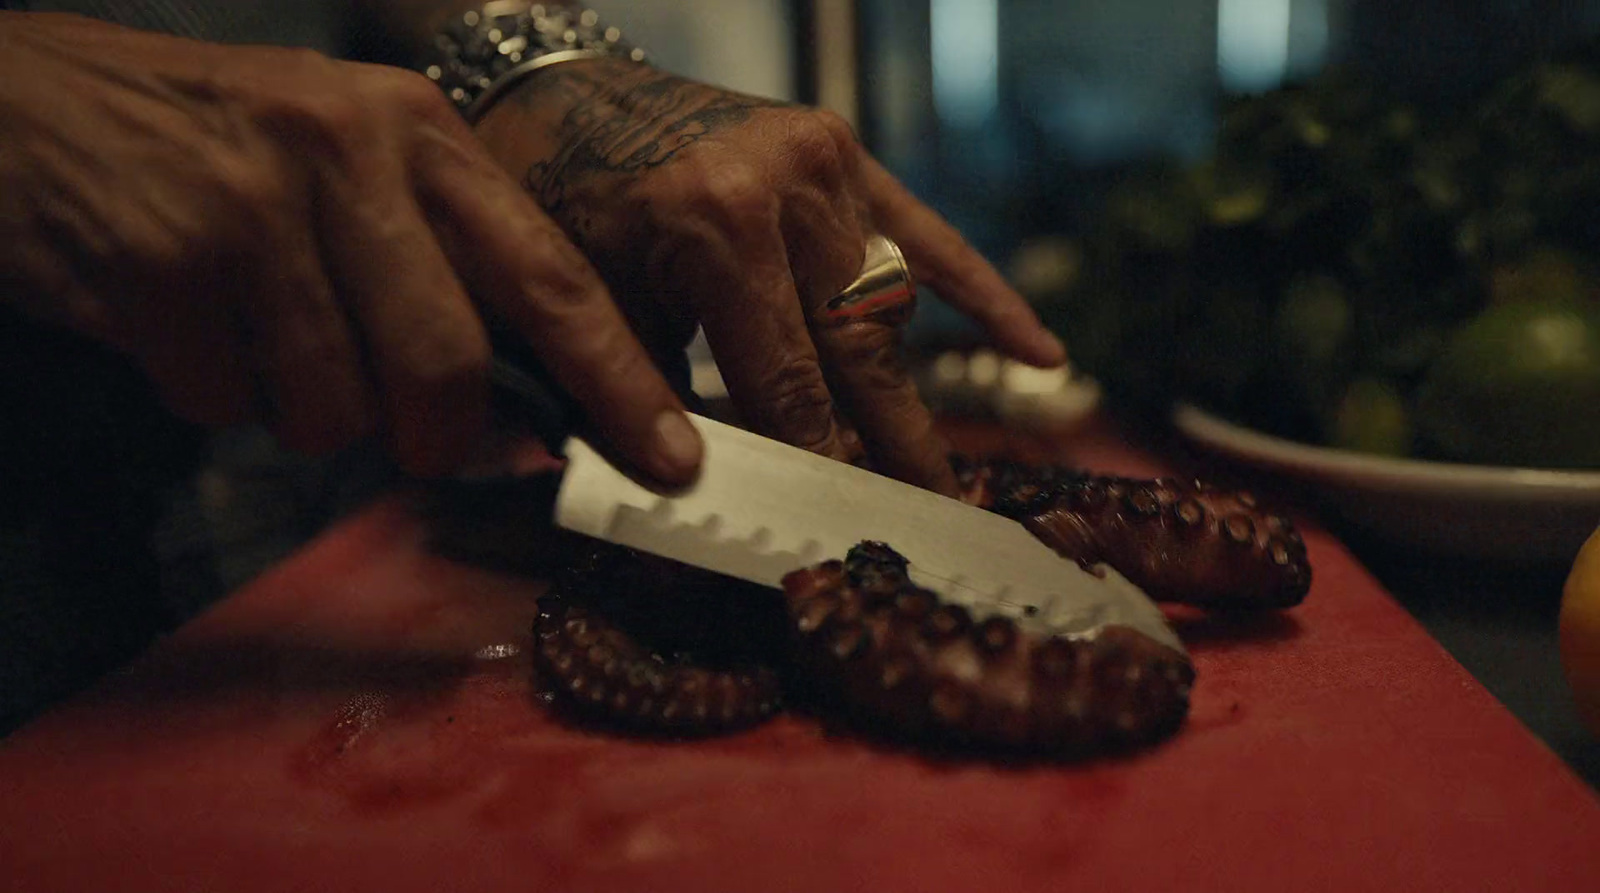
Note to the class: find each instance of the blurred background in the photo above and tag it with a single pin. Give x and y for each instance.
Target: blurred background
(1354, 223)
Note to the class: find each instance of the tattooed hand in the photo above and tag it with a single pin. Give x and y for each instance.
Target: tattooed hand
(271, 233)
(744, 215)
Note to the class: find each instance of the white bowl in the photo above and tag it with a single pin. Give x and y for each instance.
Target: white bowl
(1522, 515)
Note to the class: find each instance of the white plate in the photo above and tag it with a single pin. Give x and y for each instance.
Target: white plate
(1498, 513)
(1014, 393)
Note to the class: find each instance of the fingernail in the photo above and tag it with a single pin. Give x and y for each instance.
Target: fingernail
(678, 446)
(1051, 350)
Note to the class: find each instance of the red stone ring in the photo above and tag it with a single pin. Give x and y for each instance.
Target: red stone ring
(883, 292)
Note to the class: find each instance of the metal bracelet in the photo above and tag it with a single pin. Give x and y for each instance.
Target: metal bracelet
(482, 53)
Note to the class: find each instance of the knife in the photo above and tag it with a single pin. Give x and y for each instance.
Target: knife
(761, 509)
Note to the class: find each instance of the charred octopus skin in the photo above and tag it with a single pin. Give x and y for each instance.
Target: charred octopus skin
(1177, 541)
(898, 658)
(649, 645)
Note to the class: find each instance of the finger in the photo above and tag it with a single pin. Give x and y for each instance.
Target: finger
(318, 394)
(425, 345)
(196, 358)
(757, 331)
(823, 218)
(826, 224)
(878, 413)
(873, 386)
(942, 259)
(850, 439)
(520, 263)
(193, 354)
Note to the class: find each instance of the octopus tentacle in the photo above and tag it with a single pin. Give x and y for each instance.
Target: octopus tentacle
(901, 659)
(644, 644)
(655, 647)
(1179, 542)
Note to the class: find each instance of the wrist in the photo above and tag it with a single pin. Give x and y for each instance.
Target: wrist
(537, 116)
(571, 96)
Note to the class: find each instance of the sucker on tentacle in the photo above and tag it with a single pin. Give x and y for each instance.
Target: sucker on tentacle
(655, 646)
(1179, 542)
(901, 660)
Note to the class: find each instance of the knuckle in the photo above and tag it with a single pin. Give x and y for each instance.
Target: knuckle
(327, 120)
(610, 361)
(415, 94)
(450, 364)
(865, 342)
(291, 349)
(871, 354)
(738, 196)
(828, 259)
(839, 131)
(564, 281)
(814, 147)
(796, 401)
(218, 226)
(304, 61)
(328, 123)
(336, 116)
(247, 190)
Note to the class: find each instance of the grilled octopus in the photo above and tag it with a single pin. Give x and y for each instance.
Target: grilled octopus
(1179, 541)
(654, 647)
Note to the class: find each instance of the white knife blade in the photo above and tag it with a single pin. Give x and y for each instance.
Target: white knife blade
(762, 508)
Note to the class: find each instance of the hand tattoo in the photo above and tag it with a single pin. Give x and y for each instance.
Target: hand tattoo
(623, 120)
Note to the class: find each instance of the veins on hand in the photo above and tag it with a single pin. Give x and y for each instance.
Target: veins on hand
(625, 125)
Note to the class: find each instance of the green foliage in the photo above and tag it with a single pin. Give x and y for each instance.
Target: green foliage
(1307, 276)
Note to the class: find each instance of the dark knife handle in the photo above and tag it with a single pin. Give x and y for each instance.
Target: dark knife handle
(525, 395)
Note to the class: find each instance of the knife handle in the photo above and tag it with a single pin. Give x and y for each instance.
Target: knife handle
(524, 394)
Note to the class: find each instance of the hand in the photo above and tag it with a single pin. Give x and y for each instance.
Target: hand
(744, 215)
(271, 234)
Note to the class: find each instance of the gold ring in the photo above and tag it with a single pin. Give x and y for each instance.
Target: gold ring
(883, 292)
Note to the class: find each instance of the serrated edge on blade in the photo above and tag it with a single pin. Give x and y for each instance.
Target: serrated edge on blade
(599, 501)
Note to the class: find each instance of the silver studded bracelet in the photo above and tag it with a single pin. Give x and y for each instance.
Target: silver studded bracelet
(482, 53)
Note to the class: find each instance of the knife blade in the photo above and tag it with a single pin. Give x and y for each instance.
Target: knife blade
(762, 508)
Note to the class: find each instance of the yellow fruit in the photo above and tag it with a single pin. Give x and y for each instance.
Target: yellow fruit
(1580, 631)
(1515, 386)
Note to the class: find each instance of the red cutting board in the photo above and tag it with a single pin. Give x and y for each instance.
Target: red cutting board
(358, 720)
